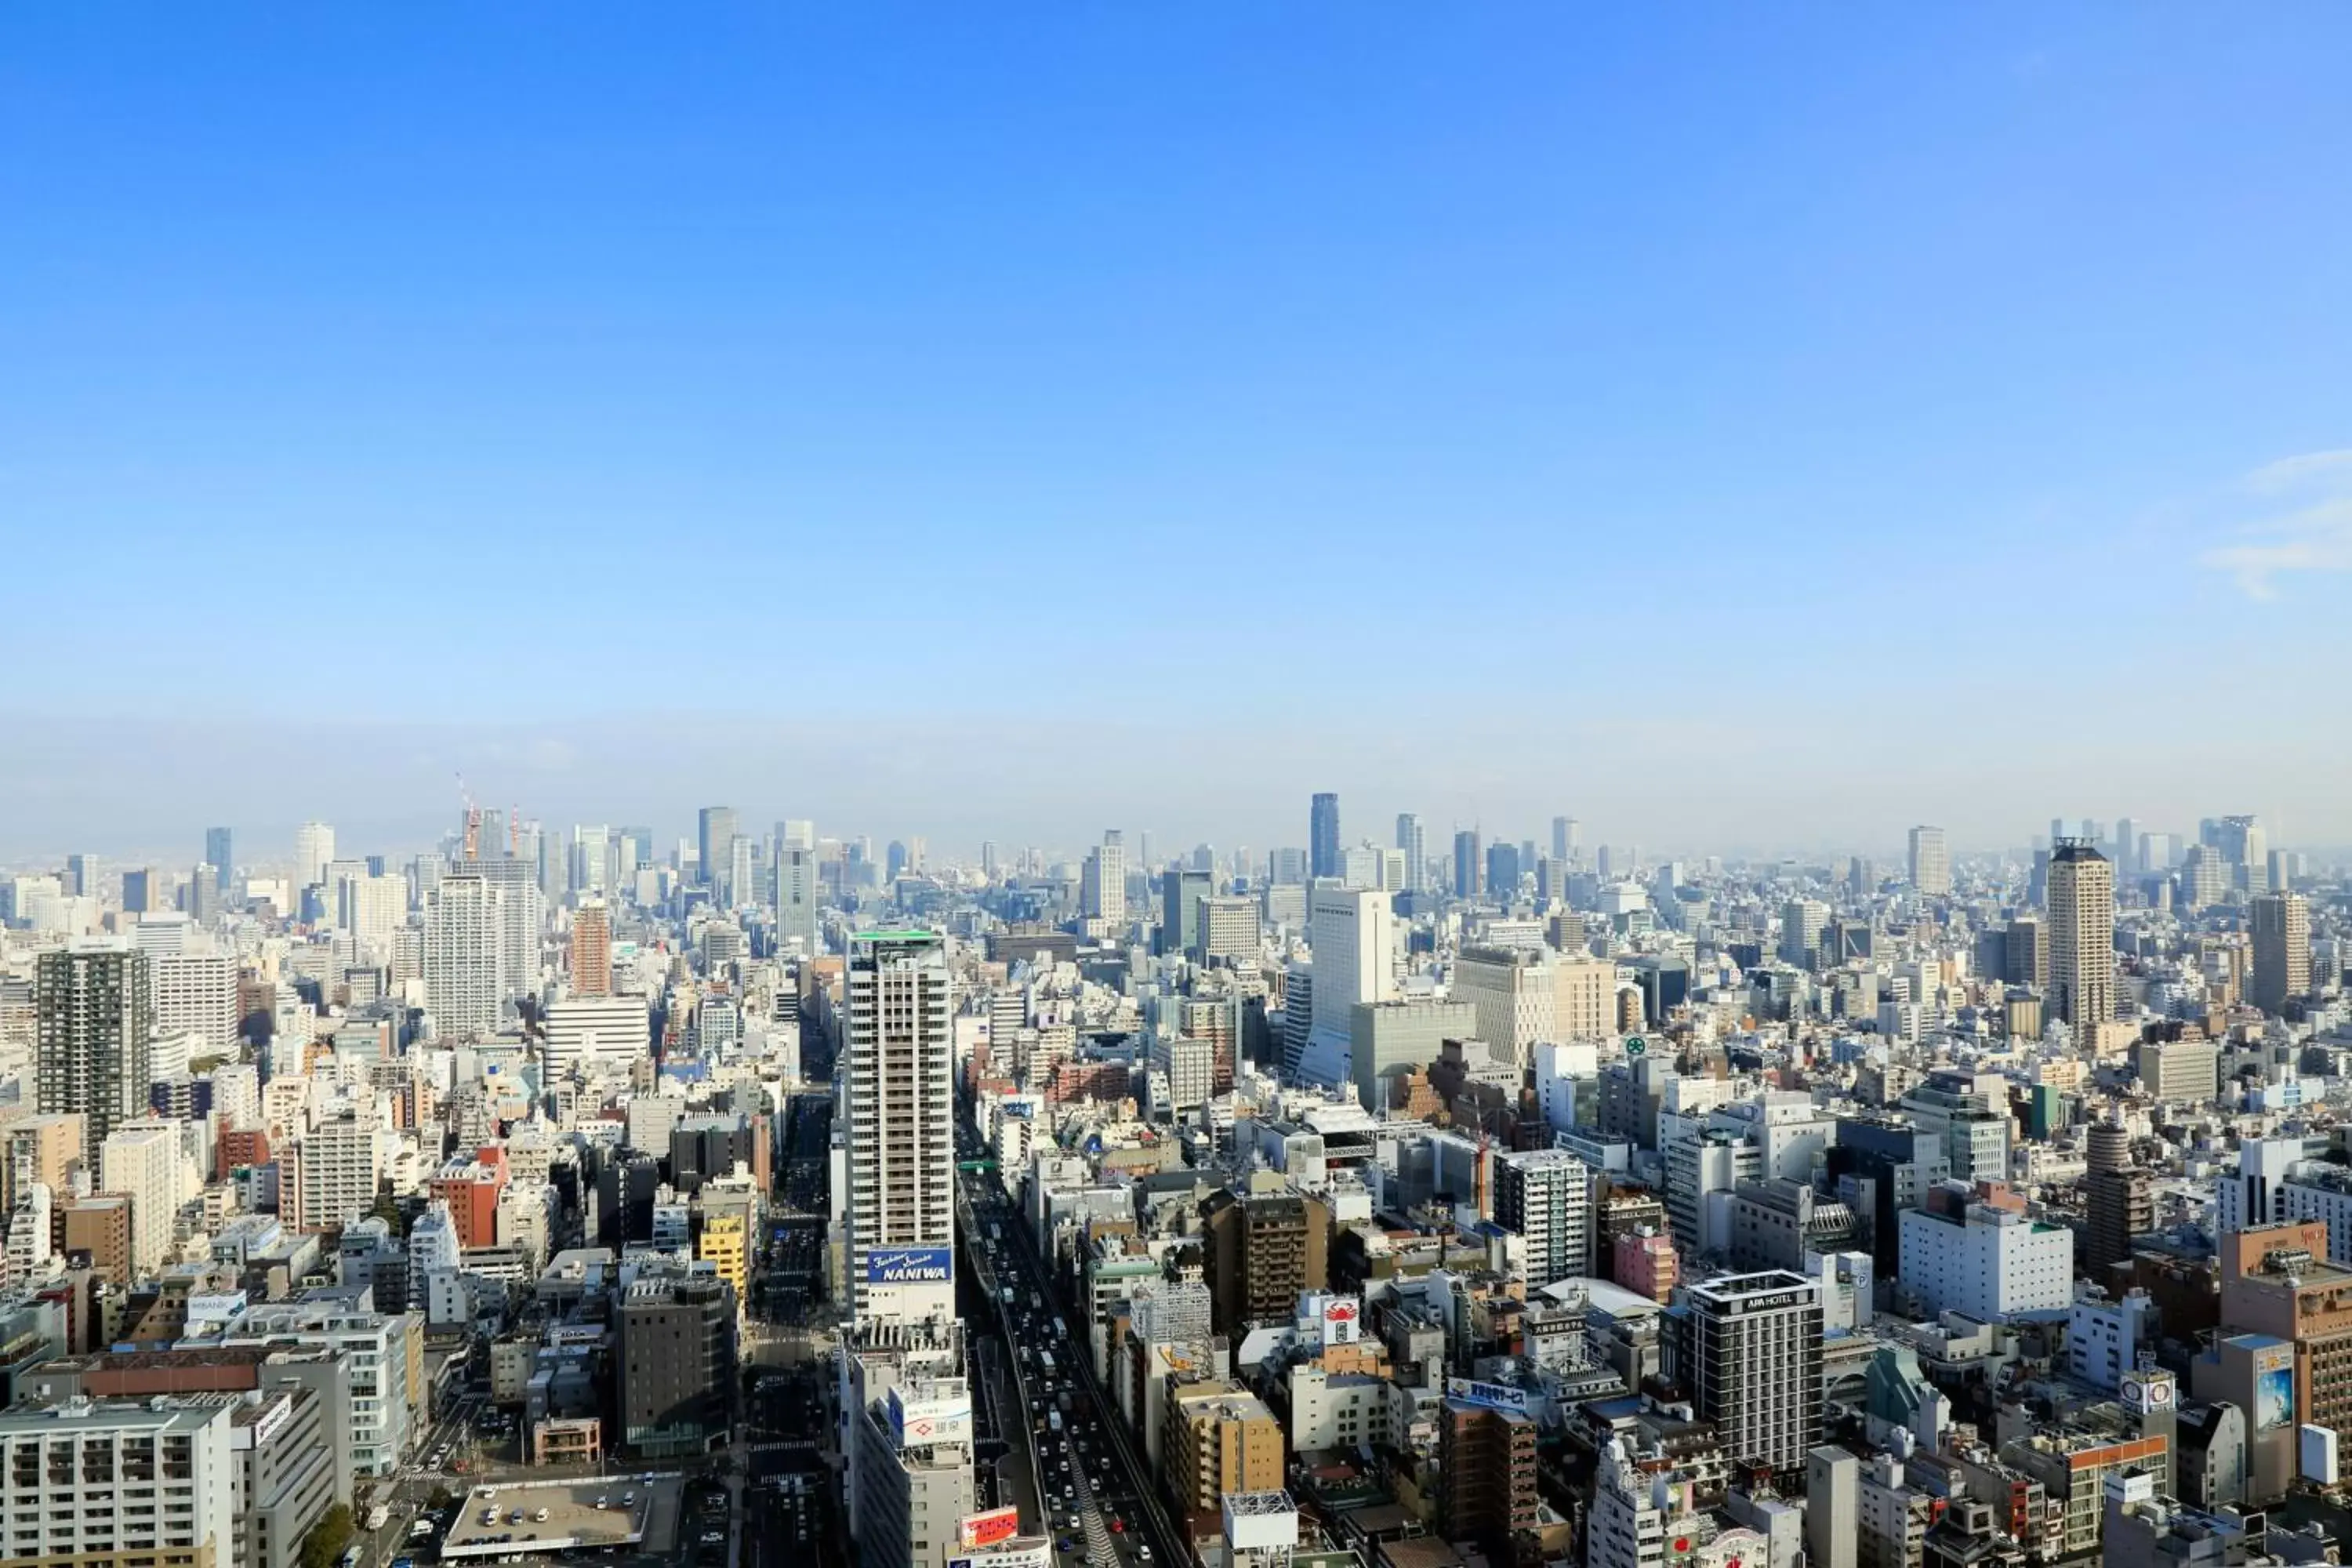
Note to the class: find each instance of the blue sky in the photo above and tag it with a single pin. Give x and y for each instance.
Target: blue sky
(1719, 421)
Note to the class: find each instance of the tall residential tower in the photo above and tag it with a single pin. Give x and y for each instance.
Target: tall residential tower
(898, 1048)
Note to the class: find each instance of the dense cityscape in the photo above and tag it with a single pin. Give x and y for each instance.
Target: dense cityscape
(760, 1198)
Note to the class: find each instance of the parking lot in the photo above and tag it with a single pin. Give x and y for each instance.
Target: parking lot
(637, 1512)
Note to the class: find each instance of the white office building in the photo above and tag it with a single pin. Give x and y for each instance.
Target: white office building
(1986, 1263)
(1102, 891)
(1350, 932)
(586, 1032)
(314, 847)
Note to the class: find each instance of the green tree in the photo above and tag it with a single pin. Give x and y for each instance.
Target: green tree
(329, 1538)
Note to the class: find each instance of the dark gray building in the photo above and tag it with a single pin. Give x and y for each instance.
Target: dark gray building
(677, 1365)
(94, 1025)
(1323, 855)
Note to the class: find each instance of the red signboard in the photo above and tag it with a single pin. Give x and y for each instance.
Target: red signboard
(988, 1528)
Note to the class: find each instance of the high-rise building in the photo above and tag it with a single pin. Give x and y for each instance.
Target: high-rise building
(1801, 923)
(2245, 848)
(369, 909)
(142, 890)
(143, 1165)
(2119, 1205)
(1546, 1195)
(465, 975)
(94, 1024)
(1503, 871)
(2282, 950)
(195, 994)
(715, 845)
(1486, 1468)
(1103, 892)
(1413, 842)
(1323, 855)
(1469, 871)
(2082, 935)
(1348, 932)
(899, 1046)
(1931, 862)
(796, 891)
(1182, 894)
(314, 845)
(1261, 1251)
(521, 914)
(591, 950)
(1747, 1352)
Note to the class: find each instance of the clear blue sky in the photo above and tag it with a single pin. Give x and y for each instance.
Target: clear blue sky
(1772, 398)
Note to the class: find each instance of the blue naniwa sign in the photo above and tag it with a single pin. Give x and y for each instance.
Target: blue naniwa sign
(910, 1264)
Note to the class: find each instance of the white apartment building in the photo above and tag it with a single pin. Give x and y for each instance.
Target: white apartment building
(195, 994)
(119, 1480)
(1189, 1064)
(898, 1052)
(1986, 1263)
(1546, 1195)
(338, 1164)
(465, 975)
(383, 1350)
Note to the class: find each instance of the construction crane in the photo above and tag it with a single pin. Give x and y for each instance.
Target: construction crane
(473, 821)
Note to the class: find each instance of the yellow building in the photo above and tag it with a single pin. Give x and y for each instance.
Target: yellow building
(726, 1244)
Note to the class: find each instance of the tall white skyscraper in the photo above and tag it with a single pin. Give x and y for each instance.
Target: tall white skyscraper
(464, 979)
(2082, 935)
(522, 913)
(1414, 842)
(1931, 862)
(1102, 892)
(899, 1049)
(1349, 930)
(314, 845)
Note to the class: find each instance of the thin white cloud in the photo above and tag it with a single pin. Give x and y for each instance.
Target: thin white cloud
(2312, 533)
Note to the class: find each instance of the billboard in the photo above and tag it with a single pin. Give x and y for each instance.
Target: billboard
(2274, 1399)
(910, 1264)
(2317, 1456)
(1342, 1319)
(1494, 1395)
(1026, 1551)
(989, 1528)
(920, 1421)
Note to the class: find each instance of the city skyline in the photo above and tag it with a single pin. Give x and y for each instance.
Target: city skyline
(1509, 298)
